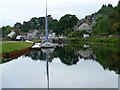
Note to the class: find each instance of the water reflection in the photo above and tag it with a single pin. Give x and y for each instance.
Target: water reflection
(47, 52)
(108, 56)
(77, 64)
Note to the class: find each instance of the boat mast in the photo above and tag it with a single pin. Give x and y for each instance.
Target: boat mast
(46, 24)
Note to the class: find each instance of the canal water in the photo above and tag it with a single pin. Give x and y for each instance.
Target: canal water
(66, 66)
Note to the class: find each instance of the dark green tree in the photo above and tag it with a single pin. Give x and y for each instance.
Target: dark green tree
(67, 21)
(6, 30)
(118, 7)
(26, 26)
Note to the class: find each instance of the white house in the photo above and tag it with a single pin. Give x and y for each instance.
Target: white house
(33, 34)
(11, 34)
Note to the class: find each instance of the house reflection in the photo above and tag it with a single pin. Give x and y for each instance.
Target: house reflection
(36, 55)
(86, 54)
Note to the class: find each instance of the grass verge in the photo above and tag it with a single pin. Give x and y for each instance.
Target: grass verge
(9, 46)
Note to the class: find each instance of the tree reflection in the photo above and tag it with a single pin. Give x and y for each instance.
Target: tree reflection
(38, 55)
(107, 55)
(35, 55)
(67, 55)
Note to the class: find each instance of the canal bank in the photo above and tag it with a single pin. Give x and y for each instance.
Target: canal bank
(12, 46)
(13, 49)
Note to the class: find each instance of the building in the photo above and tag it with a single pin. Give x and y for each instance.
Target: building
(11, 34)
(85, 26)
(33, 34)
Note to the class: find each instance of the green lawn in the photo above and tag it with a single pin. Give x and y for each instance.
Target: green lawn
(10, 46)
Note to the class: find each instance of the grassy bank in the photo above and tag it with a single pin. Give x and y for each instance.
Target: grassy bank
(8, 46)
(93, 40)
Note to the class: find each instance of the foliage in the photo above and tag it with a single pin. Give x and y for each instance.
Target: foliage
(94, 40)
(53, 24)
(118, 7)
(108, 20)
(6, 30)
(68, 31)
(116, 27)
(108, 56)
(78, 33)
(67, 21)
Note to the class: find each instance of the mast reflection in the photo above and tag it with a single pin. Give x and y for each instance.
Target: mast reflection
(47, 53)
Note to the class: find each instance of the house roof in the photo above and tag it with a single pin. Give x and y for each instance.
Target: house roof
(11, 33)
(84, 26)
(31, 31)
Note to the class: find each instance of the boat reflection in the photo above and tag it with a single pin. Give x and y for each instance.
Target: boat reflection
(48, 58)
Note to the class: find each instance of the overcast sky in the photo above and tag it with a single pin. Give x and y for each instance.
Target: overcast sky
(13, 11)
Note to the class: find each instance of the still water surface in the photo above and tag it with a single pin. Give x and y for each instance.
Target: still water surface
(69, 66)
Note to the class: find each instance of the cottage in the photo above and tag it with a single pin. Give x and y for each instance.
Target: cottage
(85, 26)
(33, 34)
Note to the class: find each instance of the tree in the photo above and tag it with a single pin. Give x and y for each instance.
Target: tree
(116, 27)
(68, 31)
(103, 6)
(6, 30)
(34, 23)
(17, 25)
(41, 21)
(53, 24)
(118, 7)
(17, 31)
(67, 21)
(108, 20)
(26, 26)
(110, 6)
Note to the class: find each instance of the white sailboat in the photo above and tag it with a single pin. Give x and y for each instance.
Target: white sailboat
(46, 43)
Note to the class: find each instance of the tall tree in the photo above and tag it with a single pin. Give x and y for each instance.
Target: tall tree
(67, 21)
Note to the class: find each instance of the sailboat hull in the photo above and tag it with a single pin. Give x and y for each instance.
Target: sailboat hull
(47, 45)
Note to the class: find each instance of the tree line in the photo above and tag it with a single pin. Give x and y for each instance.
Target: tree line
(67, 21)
